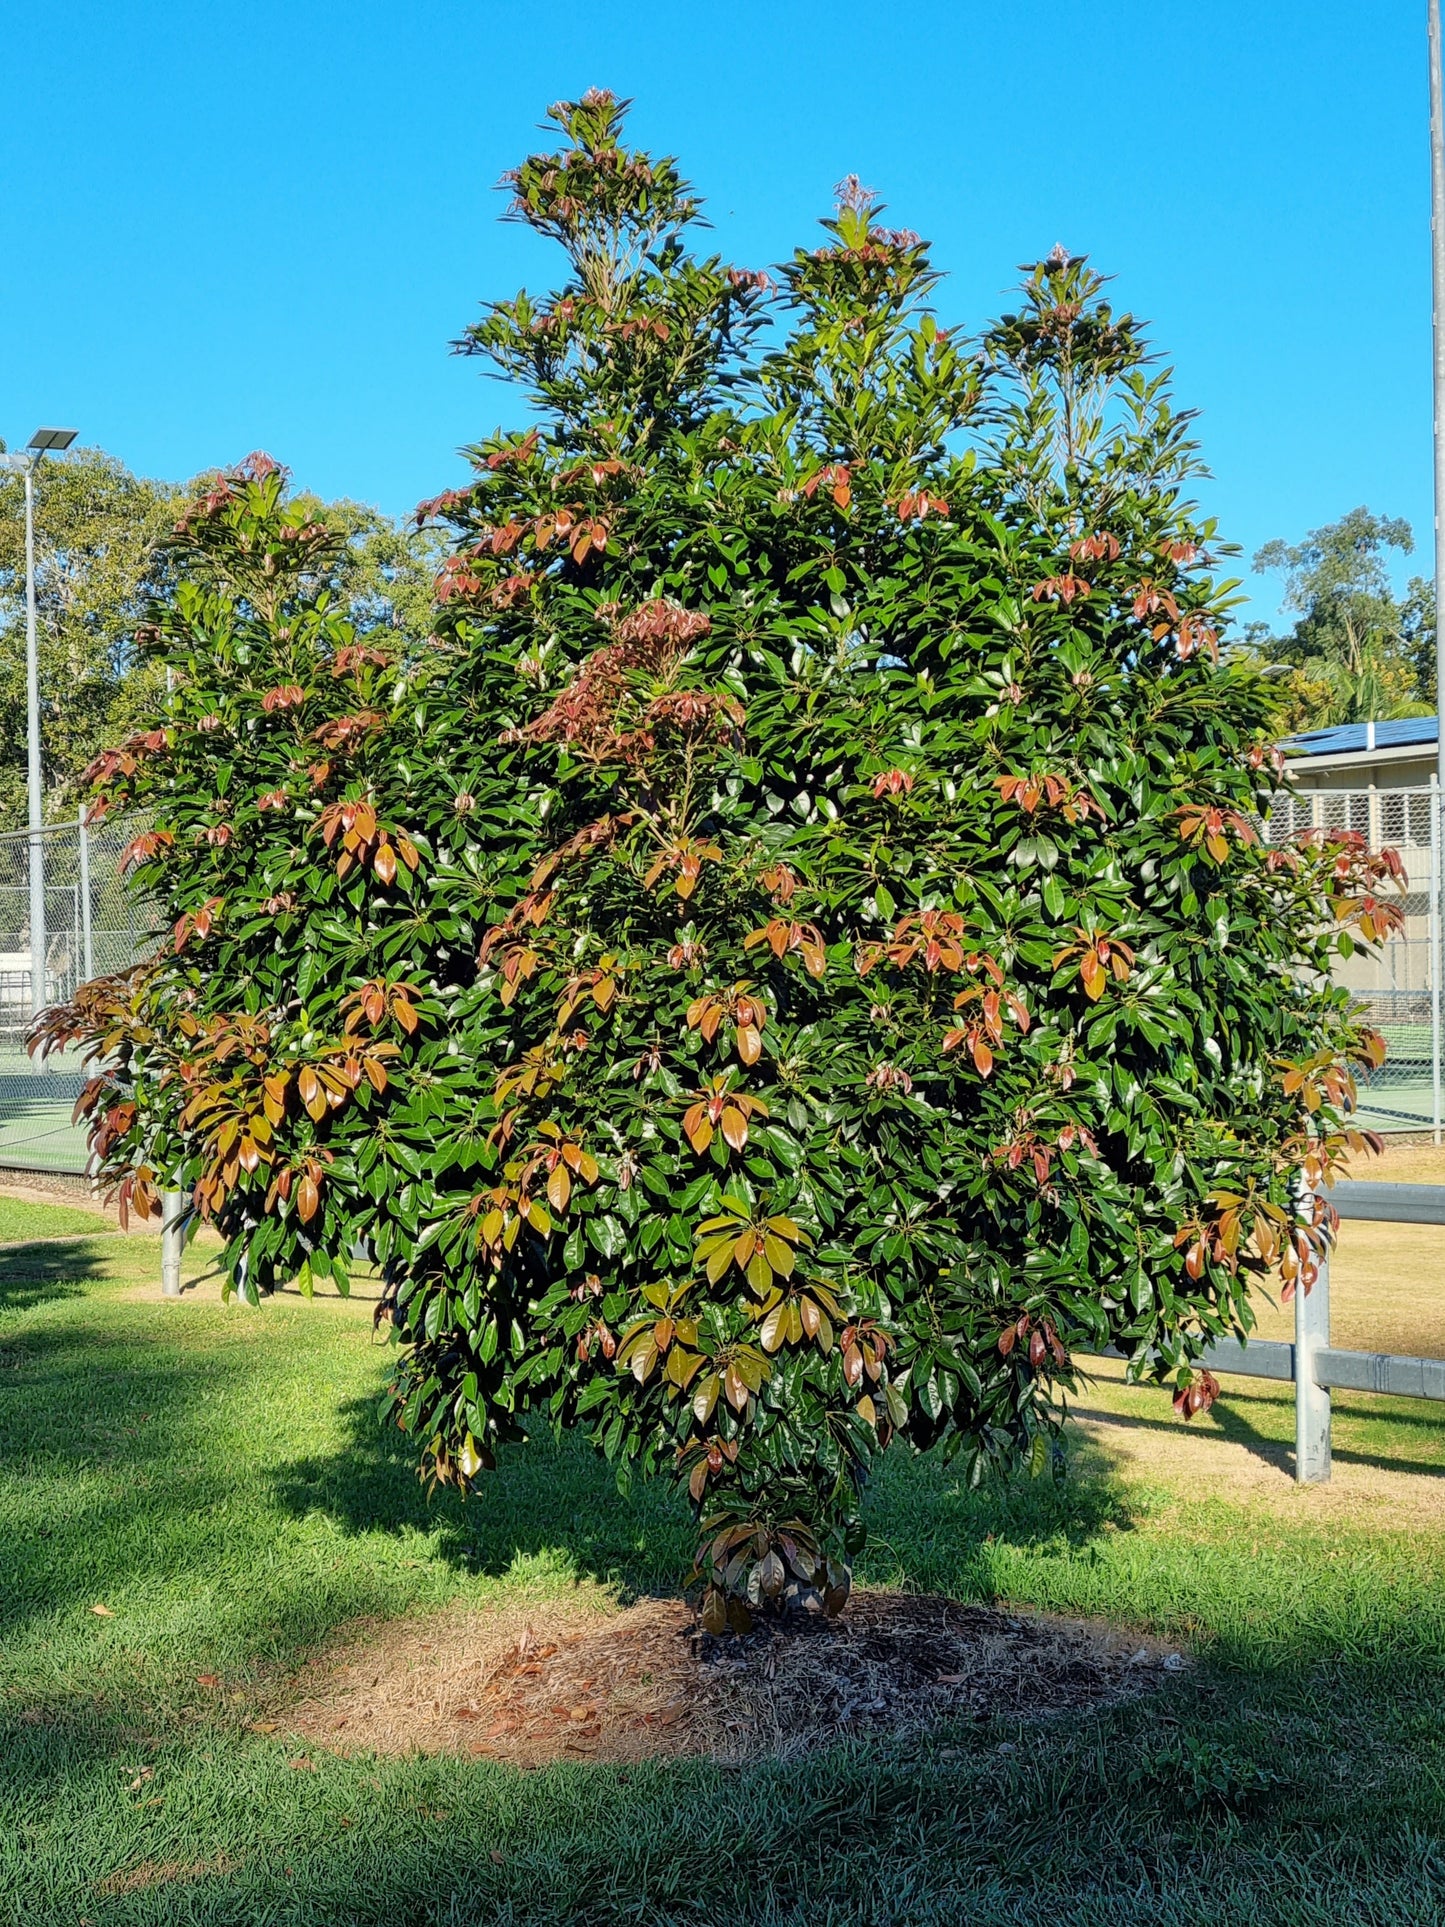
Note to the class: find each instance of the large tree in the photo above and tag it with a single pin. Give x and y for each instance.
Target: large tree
(791, 962)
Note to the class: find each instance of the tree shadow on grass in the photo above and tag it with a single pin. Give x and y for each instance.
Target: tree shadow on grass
(1051, 1827)
(1234, 1421)
(1126, 1815)
(557, 1500)
(39, 1273)
(103, 1481)
(547, 1500)
(930, 1530)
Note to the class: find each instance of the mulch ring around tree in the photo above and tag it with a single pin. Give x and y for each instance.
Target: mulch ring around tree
(569, 1683)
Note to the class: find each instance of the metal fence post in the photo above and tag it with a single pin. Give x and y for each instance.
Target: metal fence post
(173, 1241)
(1311, 1399)
(87, 943)
(35, 878)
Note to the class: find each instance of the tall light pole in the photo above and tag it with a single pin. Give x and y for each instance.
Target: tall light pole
(1437, 260)
(1437, 309)
(41, 443)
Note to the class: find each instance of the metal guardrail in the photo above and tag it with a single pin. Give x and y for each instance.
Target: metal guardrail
(1339, 1371)
(1391, 1203)
(1311, 1363)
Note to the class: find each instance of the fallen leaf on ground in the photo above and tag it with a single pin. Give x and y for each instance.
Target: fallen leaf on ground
(208, 1679)
(105, 1612)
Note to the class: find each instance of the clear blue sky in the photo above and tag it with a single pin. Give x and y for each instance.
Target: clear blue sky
(233, 227)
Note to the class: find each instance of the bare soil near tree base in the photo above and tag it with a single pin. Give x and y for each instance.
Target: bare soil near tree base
(584, 1683)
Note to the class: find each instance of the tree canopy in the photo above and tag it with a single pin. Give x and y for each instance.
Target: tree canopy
(790, 962)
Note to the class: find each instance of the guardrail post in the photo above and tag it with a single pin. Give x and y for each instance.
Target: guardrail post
(173, 1241)
(1311, 1399)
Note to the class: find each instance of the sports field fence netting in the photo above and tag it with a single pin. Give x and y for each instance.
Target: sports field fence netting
(93, 924)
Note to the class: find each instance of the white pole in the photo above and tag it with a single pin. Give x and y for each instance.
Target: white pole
(1434, 954)
(86, 935)
(38, 998)
(173, 1243)
(1437, 262)
(1311, 1399)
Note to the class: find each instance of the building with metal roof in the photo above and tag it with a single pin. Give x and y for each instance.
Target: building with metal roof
(1365, 756)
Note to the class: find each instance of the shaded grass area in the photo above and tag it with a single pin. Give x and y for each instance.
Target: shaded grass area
(215, 1478)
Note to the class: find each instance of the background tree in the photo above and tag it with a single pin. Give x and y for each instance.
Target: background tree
(1417, 631)
(97, 566)
(101, 558)
(791, 962)
(1356, 653)
(385, 568)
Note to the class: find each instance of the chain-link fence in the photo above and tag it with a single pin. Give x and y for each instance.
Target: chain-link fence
(89, 923)
(1400, 984)
(93, 924)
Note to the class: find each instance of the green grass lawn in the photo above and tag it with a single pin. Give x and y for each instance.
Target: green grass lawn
(21, 1221)
(215, 1478)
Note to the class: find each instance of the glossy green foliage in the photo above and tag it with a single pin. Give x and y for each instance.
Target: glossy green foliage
(794, 959)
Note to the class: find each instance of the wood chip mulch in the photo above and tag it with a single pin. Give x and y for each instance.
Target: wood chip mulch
(585, 1684)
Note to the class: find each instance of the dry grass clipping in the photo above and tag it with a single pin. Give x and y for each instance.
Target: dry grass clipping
(163, 1873)
(647, 1683)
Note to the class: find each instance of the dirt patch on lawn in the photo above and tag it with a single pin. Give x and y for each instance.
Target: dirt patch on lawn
(565, 1683)
(164, 1873)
